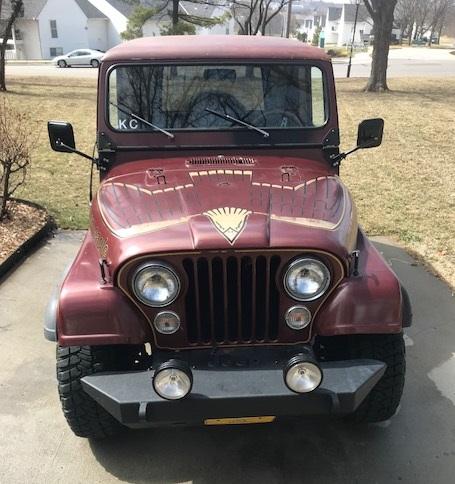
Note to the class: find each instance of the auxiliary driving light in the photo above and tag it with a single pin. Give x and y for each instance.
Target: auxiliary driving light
(166, 322)
(173, 380)
(301, 375)
(298, 317)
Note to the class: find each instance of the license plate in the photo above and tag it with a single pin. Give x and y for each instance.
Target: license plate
(239, 420)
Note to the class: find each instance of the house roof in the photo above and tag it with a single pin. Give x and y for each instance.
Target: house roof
(349, 13)
(335, 13)
(198, 10)
(32, 8)
(90, 11)
(221, 47)
(125, 7)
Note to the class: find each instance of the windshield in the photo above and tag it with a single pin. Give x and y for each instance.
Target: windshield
(195, 97)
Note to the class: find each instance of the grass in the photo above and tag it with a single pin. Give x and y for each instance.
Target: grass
(404, 189)
(58, 181)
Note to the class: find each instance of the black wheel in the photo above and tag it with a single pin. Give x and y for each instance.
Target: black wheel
(85, 417)
(382, 402)
(61, 63)
(95, 63)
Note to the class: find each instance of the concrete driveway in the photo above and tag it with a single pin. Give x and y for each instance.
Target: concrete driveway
(417, 446)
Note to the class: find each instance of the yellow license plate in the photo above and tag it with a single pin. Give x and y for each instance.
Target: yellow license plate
(239, 420)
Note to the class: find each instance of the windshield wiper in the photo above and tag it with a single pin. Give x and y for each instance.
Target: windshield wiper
(148, 123)
(238, 121)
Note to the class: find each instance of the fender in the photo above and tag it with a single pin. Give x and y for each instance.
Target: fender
(373, 302)
(87, 311)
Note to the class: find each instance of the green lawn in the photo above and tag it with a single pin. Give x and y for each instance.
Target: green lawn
(405, 189)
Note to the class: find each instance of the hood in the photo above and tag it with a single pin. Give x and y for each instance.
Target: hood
(150, 211)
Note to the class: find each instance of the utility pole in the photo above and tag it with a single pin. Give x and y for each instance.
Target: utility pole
(353, 37)
(288, 23)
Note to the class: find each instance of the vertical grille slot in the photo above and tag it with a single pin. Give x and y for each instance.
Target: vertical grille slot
(232, 300)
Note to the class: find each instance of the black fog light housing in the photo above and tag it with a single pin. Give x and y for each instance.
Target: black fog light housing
(302, 374)
(173, 380)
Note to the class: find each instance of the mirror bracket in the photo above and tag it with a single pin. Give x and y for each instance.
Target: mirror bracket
(70, 149)
(337, 159)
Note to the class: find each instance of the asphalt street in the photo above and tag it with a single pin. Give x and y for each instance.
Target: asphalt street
(405, 62)
(416, 446)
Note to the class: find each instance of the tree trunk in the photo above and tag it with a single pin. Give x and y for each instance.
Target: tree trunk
(175, 13)
(382, 14)
(5, 189)
(431, 37)
(2, 69)
(16, 6)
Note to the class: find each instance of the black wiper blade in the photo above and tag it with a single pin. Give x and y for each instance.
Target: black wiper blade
(238, 121)
(148, 123)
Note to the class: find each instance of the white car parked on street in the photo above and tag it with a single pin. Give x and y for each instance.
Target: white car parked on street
(79, 57)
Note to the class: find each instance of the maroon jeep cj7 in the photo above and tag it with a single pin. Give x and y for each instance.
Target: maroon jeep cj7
(224, 278)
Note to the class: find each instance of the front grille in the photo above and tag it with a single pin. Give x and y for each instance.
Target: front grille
(232, 300)
(222, 160)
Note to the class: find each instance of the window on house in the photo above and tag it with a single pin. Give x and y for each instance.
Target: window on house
(55, 51)
(54, 33)
(308, 23)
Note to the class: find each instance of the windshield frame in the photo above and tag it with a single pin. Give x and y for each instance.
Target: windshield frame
(296, 134)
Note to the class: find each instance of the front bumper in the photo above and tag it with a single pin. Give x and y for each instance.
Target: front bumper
(230, 393)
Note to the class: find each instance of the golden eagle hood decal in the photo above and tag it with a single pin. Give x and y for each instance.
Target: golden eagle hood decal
(229, 221)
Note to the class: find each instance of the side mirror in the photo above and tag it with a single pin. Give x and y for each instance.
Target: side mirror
(61, 136)
(370, 132)
(369, 135)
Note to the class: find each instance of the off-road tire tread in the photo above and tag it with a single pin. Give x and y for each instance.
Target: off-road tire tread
(382, 402)
(85, 417)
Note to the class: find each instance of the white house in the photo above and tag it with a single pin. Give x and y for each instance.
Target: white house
(47, 28)
(346, 27)
(335, 19)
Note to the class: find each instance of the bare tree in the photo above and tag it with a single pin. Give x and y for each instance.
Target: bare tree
(405, 18)
(381, 11)
(254, 16)
(423, 17)
(15, 153)
(439, 14)
(415, 18)
(15, 9)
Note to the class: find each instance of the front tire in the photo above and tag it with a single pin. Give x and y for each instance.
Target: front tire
(85, 417)
(383, 401)
(62, 64)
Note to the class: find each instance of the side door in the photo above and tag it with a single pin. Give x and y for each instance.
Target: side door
(85, 57)
(74, 58)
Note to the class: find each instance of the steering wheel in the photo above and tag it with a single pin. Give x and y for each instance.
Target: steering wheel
(219, 101)
(276, 118)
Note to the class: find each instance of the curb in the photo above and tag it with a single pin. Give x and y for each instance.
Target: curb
(24, 249)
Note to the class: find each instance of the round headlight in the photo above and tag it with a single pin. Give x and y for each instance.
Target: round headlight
(155, 284)
(306, 279)
(302, 376)
(298, 317)
(166, 322)
(173, 380)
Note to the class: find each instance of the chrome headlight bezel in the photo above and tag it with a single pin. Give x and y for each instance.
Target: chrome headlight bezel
(323, 288)
(150, 266)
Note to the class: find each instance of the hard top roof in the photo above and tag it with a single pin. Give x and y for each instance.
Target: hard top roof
(213, 47)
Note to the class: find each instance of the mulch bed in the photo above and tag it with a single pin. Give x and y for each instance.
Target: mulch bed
(24, 221)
